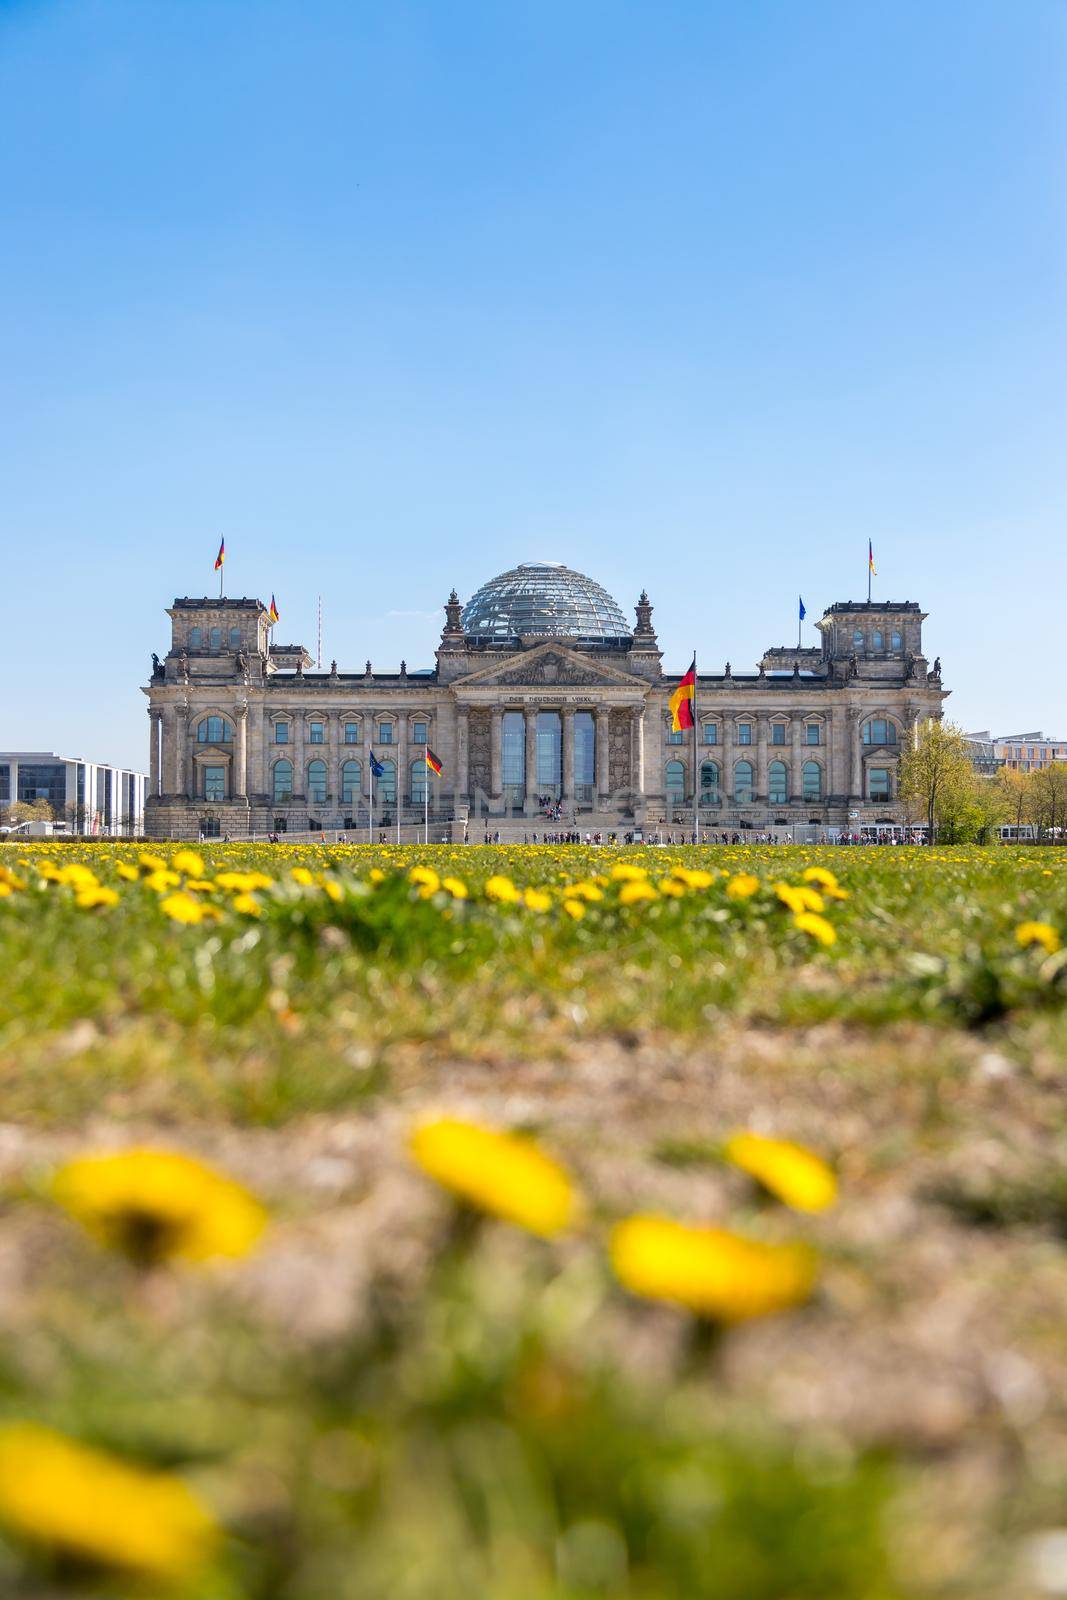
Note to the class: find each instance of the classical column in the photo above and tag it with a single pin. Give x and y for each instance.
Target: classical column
(856, 757)
(333, 760)
(240, 764)
(153, 751)
(463, 747)
(761, 759)
(300, 787)
(181, 786)
(637, 764)
(568, 752)
(602, 749)
(530, 759)
(496, 751)
(796, 780)
(832, 728)
(403, 781)
(727, 787)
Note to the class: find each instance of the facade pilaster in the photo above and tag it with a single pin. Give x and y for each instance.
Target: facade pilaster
(181, 786)
(855, 756)
(638, 753)
(463, 747)
(796, 758)
(153, 751)
(403, 777)
(300, 786)
(530, 759)
(603, 780)
(761, 758)
(496, 751)
(240, 761)
(727, 757)
(568, 753)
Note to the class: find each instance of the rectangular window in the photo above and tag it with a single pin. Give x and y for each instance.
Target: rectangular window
(351, 733)
(281, 733)
(315, 733)
(878, 783)
(744, 733)
(418, 732)
(214, 783)
(812, 734)
(711, 733)
(385, 733)
(675, 735)
(778, 733)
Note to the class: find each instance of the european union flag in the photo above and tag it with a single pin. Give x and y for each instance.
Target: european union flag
(803, 613)
(375, 766)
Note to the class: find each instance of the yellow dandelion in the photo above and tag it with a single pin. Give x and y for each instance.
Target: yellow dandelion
(816, 927)
(156, 1204)
(425, 880)
(1042, 933)
(150, 862)
(742, 885)
(695, 877)
(182, 907)
(501, 889)
(5, 889)
(189, 863)
(627, 871)
(795, 1175)
(672, 888)
(575, 909)
(332, 889)
(376, 875)
(247, 905)
(76, 876)
(96, 895)
(537, 900)
(456, 888)
(636, 890)
(89, 1508)
(709, 1271)
(799, 898)
(243, 882)
(303, 876)
(159, 882)
(127, 871)
(501, 1173)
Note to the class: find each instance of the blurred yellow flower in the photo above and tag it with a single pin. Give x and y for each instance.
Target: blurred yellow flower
(243, 882)
(695, 877)
(501, 889)
(627, 870)
(537, 900)
(710, 1271)
(96, 895)
(456, 887)
(742, 886)
(181, 907)
(302, 876)
(826, 881)
(672, 888)
(162, 880)
(75, 876)
(585, 890)
(575, 909)
(247, 904)
(1042, 933)
(127, 871)
(799, 898)
(188, 862)
(635, 890)
(88, 1508)
(811, 923)
(156, 1204)
(795, 1175)
(150, 862)
(501, 1173)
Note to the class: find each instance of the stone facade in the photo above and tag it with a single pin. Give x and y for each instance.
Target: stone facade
(245, 737)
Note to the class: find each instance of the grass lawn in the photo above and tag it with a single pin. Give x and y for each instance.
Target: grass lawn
(446, 1377)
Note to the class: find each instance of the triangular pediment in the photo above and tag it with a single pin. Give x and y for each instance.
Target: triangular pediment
(546, 665)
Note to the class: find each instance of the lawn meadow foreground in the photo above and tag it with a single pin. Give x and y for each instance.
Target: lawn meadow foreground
(326, 1335)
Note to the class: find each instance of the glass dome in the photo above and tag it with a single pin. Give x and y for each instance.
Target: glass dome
(544, 598)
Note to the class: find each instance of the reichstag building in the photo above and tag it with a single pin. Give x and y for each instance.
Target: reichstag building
(542, 698)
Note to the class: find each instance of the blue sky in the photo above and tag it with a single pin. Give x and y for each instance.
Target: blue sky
(697, 296)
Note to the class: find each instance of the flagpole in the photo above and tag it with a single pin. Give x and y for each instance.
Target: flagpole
(370, 813)
(426, 798)
(870, 566)
(696, 768)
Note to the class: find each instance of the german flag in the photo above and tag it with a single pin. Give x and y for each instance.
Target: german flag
(682, 700)
(433, 763)
(870, 558)
(221, 557)
(273, 615)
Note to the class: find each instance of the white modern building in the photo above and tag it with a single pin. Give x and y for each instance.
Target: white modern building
(87, 797)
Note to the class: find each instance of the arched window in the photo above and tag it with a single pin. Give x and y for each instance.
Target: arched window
(812, 781)
(214, 730)
(709, 783)
(216, 638)
(878, 641)
(858, 641)
(675, 783)
(879, 730)
(194, 639)
(743, 783)
(420, 777)
(351, 782)
(317, 782)
(283, 781)
(777, 783)
(385, 783)
(235, 638)
(897, 643)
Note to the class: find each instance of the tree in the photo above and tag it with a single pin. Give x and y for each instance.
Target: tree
(1048, 791)
(936, 780)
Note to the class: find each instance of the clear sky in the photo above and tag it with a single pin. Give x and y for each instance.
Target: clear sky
(697, 296)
